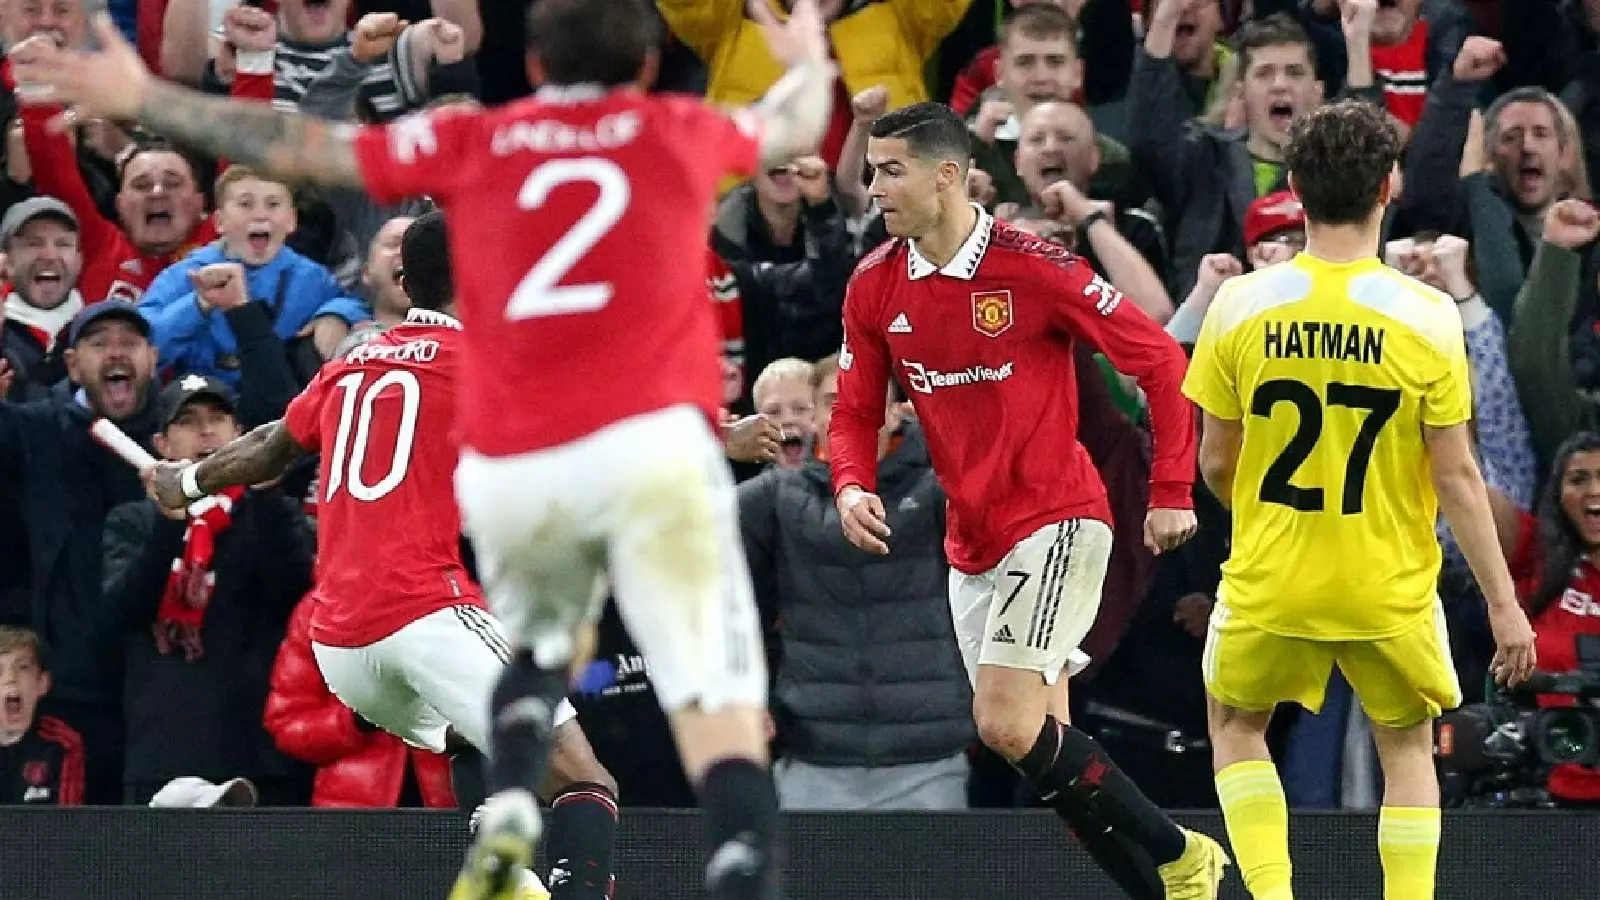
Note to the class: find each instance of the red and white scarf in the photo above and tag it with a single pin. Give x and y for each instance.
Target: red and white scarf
(729, 304)
(45, 324)
(192, 581)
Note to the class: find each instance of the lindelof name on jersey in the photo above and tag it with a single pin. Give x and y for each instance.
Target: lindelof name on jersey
(552, 136)
(1323, 340)
(424, 350)
(924, 380)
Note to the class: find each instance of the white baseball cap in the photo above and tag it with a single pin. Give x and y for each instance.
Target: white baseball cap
(190, 792)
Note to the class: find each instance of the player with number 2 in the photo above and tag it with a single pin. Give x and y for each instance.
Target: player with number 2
(591, 385)
(1337, 412)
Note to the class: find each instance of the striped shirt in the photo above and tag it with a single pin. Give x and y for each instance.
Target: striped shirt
(296, 65)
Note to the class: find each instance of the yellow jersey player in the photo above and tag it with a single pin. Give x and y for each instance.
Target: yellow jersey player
(1337, 403)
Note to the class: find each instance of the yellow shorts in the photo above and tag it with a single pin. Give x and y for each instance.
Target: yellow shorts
(1401, 681)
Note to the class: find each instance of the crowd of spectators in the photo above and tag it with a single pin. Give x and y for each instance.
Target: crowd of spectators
(145, 659)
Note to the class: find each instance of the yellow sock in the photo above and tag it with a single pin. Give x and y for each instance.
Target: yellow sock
(1258, 827)
(1408, 844)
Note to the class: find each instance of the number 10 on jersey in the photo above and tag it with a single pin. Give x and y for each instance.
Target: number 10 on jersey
(1278, 485)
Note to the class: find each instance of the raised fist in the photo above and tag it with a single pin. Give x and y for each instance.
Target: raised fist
(447, 44)
(1063, 202)
(870, 103)
(1479, 59)
(811, 177)
(1216, 268)
(250, 29)
(1356, 17)
(375, 36)
(220, 285)
(1571, 224)
(991, 115)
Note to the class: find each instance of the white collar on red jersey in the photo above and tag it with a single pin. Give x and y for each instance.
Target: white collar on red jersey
(418, 316)
(566, 94)
(964, 265)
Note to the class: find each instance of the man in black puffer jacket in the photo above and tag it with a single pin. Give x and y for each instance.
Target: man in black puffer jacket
(872, 702)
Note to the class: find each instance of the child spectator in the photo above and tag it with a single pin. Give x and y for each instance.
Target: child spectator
(41, 762)
(254, 216)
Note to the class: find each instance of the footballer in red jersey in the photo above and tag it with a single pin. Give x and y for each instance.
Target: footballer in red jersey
(399, 628)
(977, 321)
(590, 382)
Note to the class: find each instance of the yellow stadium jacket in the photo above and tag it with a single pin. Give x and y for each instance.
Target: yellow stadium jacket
(883, 43)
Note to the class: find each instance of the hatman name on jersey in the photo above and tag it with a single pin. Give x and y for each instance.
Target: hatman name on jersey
(1323, 340)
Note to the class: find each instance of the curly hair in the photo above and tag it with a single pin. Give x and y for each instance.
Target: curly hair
(1339, 155)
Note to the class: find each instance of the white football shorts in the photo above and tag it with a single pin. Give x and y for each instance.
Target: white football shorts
(1033, 609)
(434, 674)
(649, 501)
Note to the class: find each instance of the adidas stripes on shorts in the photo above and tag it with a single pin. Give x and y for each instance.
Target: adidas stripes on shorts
(1033, 609)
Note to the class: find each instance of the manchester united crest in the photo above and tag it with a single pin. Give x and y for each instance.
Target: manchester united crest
(991, 312)
(36, 773)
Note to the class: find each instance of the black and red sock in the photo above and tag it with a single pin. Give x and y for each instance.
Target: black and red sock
(583, 834)
(1126, 834)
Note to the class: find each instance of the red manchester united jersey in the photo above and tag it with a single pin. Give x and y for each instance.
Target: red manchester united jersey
(984, 349)
(388, 533)
(578, 222)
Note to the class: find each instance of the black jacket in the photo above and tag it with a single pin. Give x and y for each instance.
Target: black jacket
(796, 308)
(870, 672)
(204, 717)
(34, 368)
(64, 484)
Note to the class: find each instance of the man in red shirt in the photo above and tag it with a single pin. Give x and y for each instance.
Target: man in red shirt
(407, 643)
(581, 237)
(159, 204)
(978, 321)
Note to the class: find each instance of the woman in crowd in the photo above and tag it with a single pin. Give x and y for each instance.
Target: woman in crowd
(1557, 567)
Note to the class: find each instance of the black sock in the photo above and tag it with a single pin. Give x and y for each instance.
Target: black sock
(741, 814)
(583, 831)
(523, 731)
(1066, 761)
(467, 772)
(1115, 853)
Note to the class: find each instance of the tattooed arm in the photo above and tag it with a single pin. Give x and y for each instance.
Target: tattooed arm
(287, 145)
(262, 455)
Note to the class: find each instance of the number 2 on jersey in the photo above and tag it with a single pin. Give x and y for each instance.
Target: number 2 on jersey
(1278, 485)
(356, 411)
(540, 292)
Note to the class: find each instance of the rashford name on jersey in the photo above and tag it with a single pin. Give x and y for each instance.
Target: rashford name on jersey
(382, 419)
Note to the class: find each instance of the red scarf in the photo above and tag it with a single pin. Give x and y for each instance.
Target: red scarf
(724, 288)
(191, 582)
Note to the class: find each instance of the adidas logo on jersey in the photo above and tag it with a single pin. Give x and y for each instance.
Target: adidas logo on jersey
(900, 325)
(1003, 636)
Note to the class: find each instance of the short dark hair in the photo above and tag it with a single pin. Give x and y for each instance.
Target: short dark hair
(593, 41)
(145, 145)
(425, 262)
(932, 131)
(1339, 155)
(1276, 30)
(1040, 21)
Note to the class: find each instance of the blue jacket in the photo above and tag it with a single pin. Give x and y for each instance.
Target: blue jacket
(294, 290)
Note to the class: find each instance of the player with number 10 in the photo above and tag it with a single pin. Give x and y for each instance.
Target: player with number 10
(1337, 406)
(591, 386)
